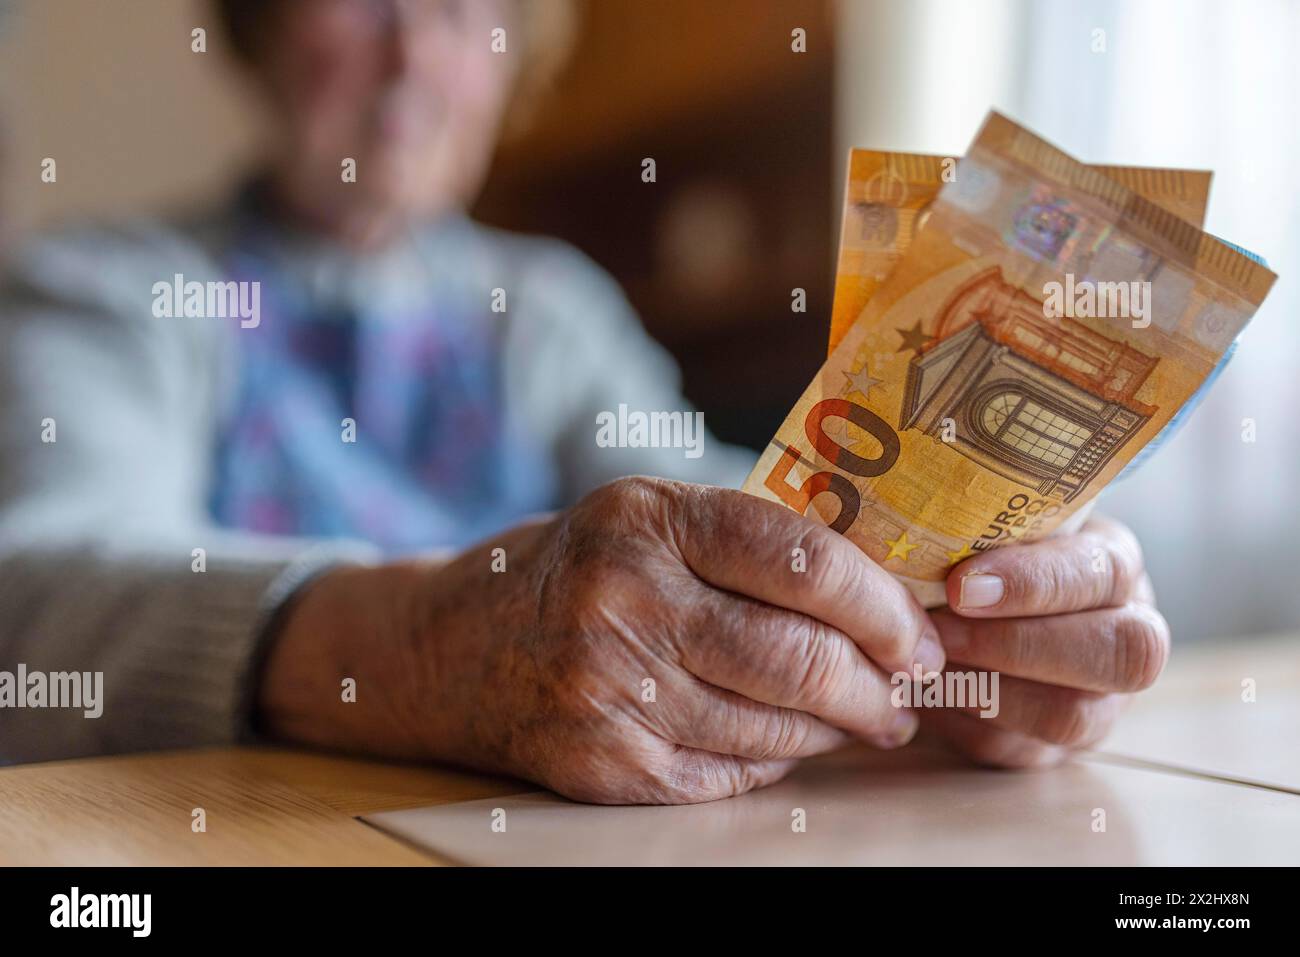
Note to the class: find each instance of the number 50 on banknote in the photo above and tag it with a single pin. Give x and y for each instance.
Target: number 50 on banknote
(1038, 324)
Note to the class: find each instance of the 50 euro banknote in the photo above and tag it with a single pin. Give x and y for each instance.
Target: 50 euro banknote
(1043, 324)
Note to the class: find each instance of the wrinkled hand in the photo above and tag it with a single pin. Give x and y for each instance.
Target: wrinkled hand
(657, 643)
(1071, 625)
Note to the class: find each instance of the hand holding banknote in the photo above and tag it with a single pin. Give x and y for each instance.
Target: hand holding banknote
(1071, 626)
(650, 645)
(1009, 333)
(669, 643)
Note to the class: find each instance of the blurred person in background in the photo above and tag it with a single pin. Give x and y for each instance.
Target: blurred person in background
(233, 518)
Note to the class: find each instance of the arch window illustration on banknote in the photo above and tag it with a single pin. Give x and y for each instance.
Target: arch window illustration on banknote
(1044, 404)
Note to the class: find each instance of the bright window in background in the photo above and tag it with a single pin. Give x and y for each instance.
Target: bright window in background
(1195, 83)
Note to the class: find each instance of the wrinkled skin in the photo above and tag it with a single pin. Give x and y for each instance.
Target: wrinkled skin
(541, 670)
(1074, 635)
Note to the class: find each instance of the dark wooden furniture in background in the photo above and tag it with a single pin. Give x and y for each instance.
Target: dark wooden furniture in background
(742, 212)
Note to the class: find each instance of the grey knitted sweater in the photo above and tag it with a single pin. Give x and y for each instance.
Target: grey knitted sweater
(108, 418)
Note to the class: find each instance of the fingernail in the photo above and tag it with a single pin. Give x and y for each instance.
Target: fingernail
(901, 729)
(980, 591)
(929, 653)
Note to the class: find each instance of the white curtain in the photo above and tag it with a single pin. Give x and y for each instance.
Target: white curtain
(1195, 83)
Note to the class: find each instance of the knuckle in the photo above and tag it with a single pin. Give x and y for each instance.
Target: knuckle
(1120, 571)
(1013, 752)
(816, 665)
(1124, 564)
(1095, 584)
(635, 489)
(826, 564)
(835, 569)
(838, 574)
(664, 787)
(686, 778)
(1127, 542)
(1141, 647)
(1029, 582)
(624, 507)
(618, 773)
(992, 751)
(1017, 641)
(895, 645)
(744, 777)
(1070, 723)
(1103, 574)
(784, 734)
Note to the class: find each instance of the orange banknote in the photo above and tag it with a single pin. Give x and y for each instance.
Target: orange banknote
(887, 197)
(1042, 325)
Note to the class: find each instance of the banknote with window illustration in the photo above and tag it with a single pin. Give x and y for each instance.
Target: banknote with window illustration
(1010, 329)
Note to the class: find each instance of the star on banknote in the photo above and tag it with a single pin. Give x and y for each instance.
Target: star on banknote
(901, 547)
(914, 339)
(860, 381)
(965, 552)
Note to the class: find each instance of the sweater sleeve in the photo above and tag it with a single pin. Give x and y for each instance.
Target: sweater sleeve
(109, 566)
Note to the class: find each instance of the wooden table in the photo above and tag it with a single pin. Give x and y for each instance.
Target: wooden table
(1191, 751)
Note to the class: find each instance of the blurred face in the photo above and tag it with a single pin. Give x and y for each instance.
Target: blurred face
(410, 89)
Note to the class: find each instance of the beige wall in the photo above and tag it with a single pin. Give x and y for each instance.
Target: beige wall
(111, 90)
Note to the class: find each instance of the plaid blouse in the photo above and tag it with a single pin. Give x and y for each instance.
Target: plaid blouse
(363, 417)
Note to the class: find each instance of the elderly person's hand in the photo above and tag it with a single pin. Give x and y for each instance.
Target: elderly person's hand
(1071, 625)
(658, 643)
